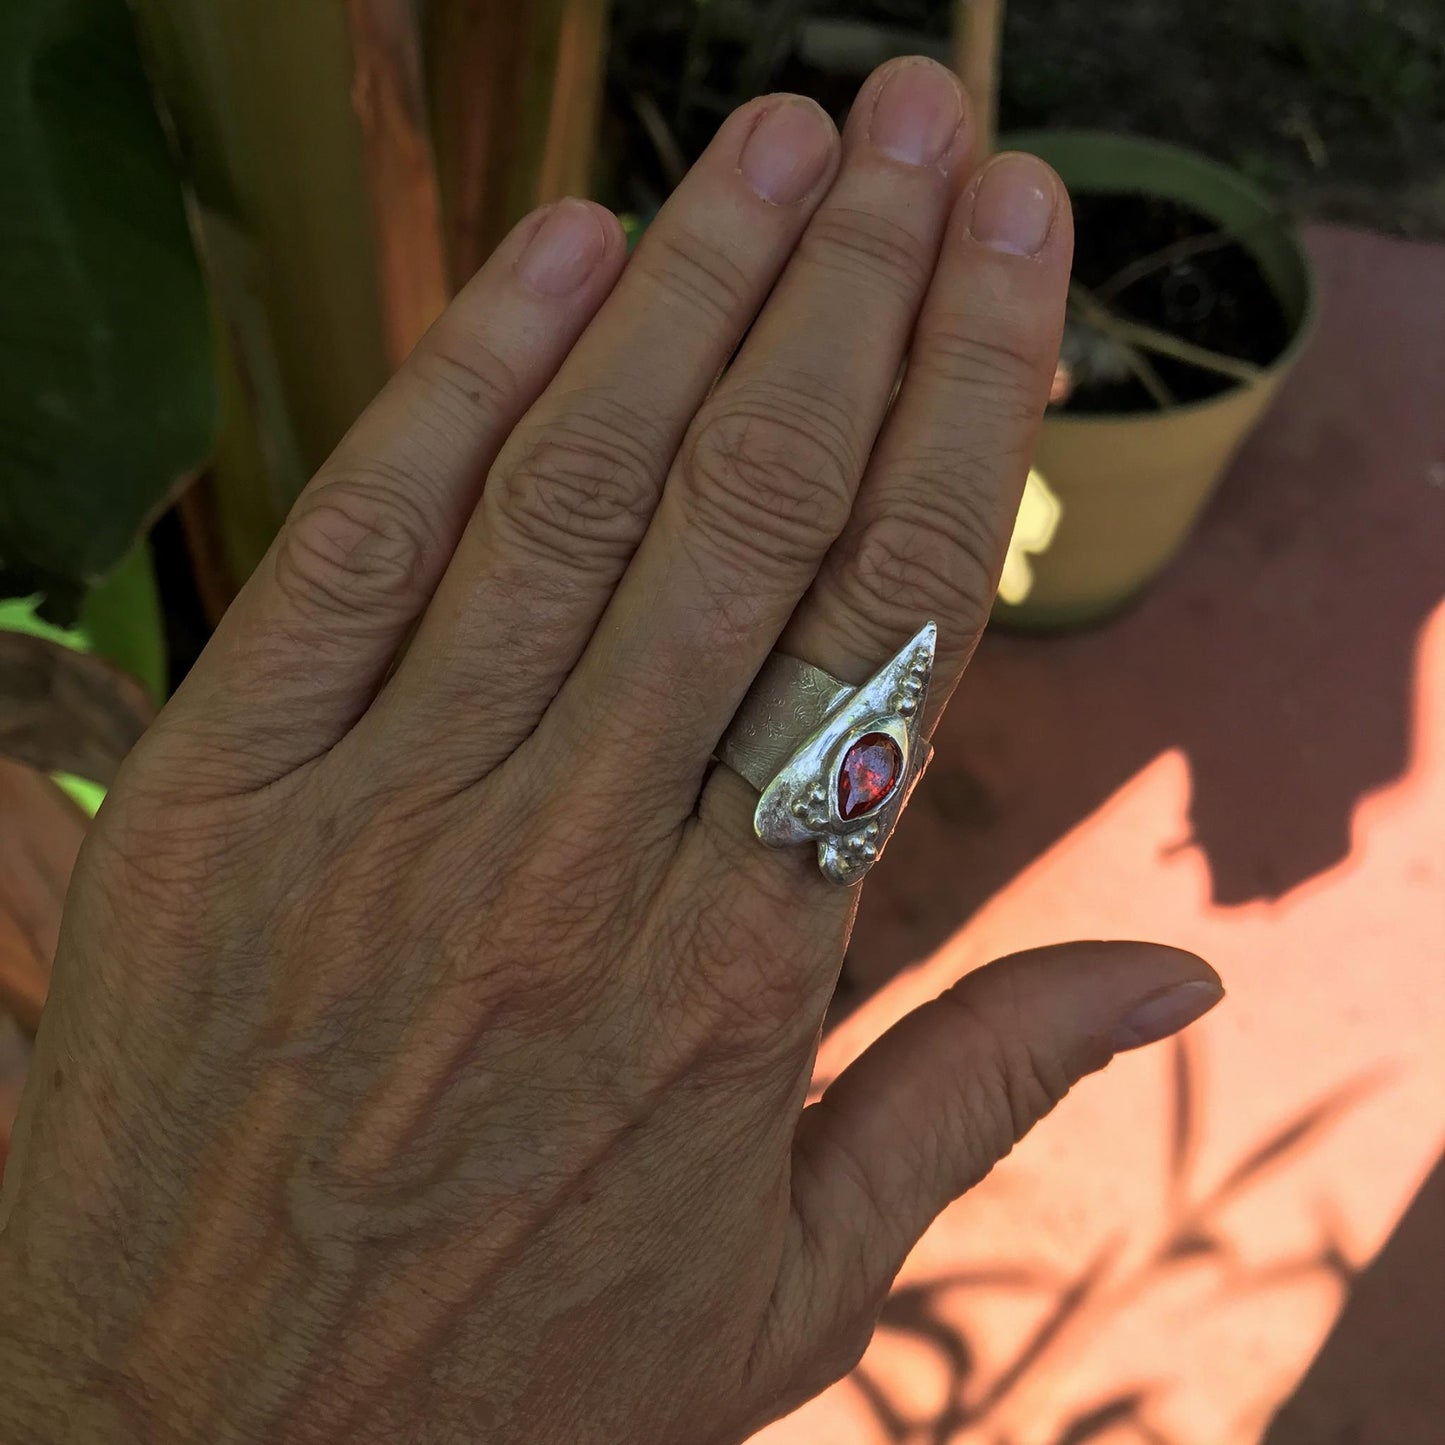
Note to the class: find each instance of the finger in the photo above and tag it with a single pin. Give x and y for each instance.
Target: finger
(766, 476)
(932, 522)
(928, 532)
(306, 644)
(574, 489)
(935, 1103)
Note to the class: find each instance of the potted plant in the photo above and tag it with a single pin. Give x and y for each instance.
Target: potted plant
(1192, 296)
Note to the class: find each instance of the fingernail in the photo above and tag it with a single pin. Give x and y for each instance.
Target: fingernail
(1013, 207)
(563, 250)
(917, 113)
(788, 151)
(1165, 1013)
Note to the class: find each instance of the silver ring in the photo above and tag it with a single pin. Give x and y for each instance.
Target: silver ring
(834, 763)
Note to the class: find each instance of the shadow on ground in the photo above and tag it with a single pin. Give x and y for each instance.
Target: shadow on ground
(1194, 1236)
(1278, 657)
(1277, 653)
(1373, 1381)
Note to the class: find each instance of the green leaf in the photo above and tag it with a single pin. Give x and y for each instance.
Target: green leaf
(120, 621)
(106, 387)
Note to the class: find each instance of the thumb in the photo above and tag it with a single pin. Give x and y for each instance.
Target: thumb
(936, 1102)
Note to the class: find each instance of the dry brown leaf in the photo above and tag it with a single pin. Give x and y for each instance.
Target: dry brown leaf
(389, 97)
(40, 834)
(67, 712)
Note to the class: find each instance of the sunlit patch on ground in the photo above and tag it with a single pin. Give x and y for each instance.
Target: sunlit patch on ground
(1239, 1238)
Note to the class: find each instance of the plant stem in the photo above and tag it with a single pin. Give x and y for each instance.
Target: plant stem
(580, 36)
(1095, 314)
(1161, 343)
(515, 91)
(664, 143)
(1149, 378)
(1185, 250)
(261, 98)
(978, 32)
(389, 97)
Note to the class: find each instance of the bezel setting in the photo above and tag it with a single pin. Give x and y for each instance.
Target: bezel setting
(801, 803)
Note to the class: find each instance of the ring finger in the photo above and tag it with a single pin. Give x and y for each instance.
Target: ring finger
(927, 535)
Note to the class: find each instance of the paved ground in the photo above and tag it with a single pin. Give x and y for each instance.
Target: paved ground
(1241, 1239)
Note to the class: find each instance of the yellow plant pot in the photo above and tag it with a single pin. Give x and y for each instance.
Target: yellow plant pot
(1121, 492)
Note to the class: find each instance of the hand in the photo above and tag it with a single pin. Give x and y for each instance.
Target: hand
(430, 1038)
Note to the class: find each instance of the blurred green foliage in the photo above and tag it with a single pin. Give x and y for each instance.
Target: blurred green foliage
(1387, 54)
(106, 392)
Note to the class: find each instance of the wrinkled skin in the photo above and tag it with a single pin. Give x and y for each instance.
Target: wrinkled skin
(430, 1038)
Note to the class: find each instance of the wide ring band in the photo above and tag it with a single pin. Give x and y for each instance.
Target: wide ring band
(834, 763)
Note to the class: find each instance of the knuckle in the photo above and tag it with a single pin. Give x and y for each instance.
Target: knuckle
(697, 274)
(356, 547)
(745, 982)
(739, 1011)
(772, 471)
(580, 490)
(571, 894)
(871, 249)
(467, 376)
(995, 361)
(921, 559)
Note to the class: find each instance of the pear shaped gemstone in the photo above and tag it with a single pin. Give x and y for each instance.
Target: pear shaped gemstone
(869, 774)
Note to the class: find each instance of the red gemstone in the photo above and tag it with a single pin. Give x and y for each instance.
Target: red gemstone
(869, 773)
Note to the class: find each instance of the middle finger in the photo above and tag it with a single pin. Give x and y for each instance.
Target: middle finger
(766, 476)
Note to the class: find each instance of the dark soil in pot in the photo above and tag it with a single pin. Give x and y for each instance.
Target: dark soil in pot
(1164, 264)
